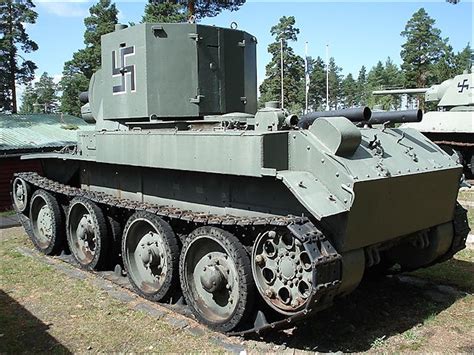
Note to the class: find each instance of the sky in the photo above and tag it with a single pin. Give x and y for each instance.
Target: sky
(357, 32)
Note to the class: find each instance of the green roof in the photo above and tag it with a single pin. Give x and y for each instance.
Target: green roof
(36, 131)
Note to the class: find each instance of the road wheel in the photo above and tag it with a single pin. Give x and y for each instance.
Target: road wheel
(46, 223)
(150, 256)
(87, 233)
(216, 278)
(21, 193)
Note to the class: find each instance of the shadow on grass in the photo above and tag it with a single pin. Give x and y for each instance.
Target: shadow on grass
(23, 332)
(376, 310)
(454, 272)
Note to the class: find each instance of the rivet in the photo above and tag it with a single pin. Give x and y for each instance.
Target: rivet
(322, 161)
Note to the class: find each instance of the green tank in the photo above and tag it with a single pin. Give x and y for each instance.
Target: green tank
(256, 219)
(452, 125)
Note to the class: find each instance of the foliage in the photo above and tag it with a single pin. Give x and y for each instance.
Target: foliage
(362, 93)
(180, 11)
(84, 62)
(317, 86)
(42, 98)
(164, 12)
(463, 59)
(29, 99)
(14, 68)
(385, 76)
(422, 49)
(293, 68)
(206, 8)
(335, 85)
(349, 90)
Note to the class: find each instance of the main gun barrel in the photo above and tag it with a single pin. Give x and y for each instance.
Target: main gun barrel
(396, 116)
(400, 91)
(358, 114)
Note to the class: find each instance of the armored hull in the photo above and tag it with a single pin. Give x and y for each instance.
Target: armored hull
(257, 223)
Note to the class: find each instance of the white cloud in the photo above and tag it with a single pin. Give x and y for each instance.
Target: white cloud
(65, 8)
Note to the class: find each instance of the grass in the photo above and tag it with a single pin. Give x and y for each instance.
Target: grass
(7, 213)
(467, 195)
(457, 272)
(470, 218)
(43, 310)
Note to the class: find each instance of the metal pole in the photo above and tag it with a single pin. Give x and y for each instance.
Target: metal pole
(327, 77)
(281, 72)
(306, 76)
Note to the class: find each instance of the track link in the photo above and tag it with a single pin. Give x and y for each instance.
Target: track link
(327, 262)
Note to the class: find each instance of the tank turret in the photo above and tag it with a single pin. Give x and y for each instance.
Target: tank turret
(452, 125)
(156, 72)
(450, 94)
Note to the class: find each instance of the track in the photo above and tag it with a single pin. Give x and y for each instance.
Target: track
(327, 262)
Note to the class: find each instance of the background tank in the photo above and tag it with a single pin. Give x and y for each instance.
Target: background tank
(452, 126)
(257, 222)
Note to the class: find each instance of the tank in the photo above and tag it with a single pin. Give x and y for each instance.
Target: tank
(452, 125)
(256, 219)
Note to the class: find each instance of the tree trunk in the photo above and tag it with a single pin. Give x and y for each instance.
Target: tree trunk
(191, 8)
(13, 81)
(12, 63)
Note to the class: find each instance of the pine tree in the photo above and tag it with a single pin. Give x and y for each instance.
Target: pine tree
(180, 11)
(349, 89)
(15, 69)
(317, 86)
(164, 12)
(463, 60)
(362, 90)
(293, 68)
(46, 91)
(335, 84)
(78, 71)
(29, 100)
(445, 67)
(42, 97)
(423, 48)
(385, 76)
(205, 8)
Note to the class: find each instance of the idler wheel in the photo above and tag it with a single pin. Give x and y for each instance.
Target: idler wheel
(47, 224)
(87, 233)
(21, 193)
(150, 256)
(282, 271)
(216, 278)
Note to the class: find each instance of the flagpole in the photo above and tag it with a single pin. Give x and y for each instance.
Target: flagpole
(306, 76)
(327, 77)
(281, 70)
